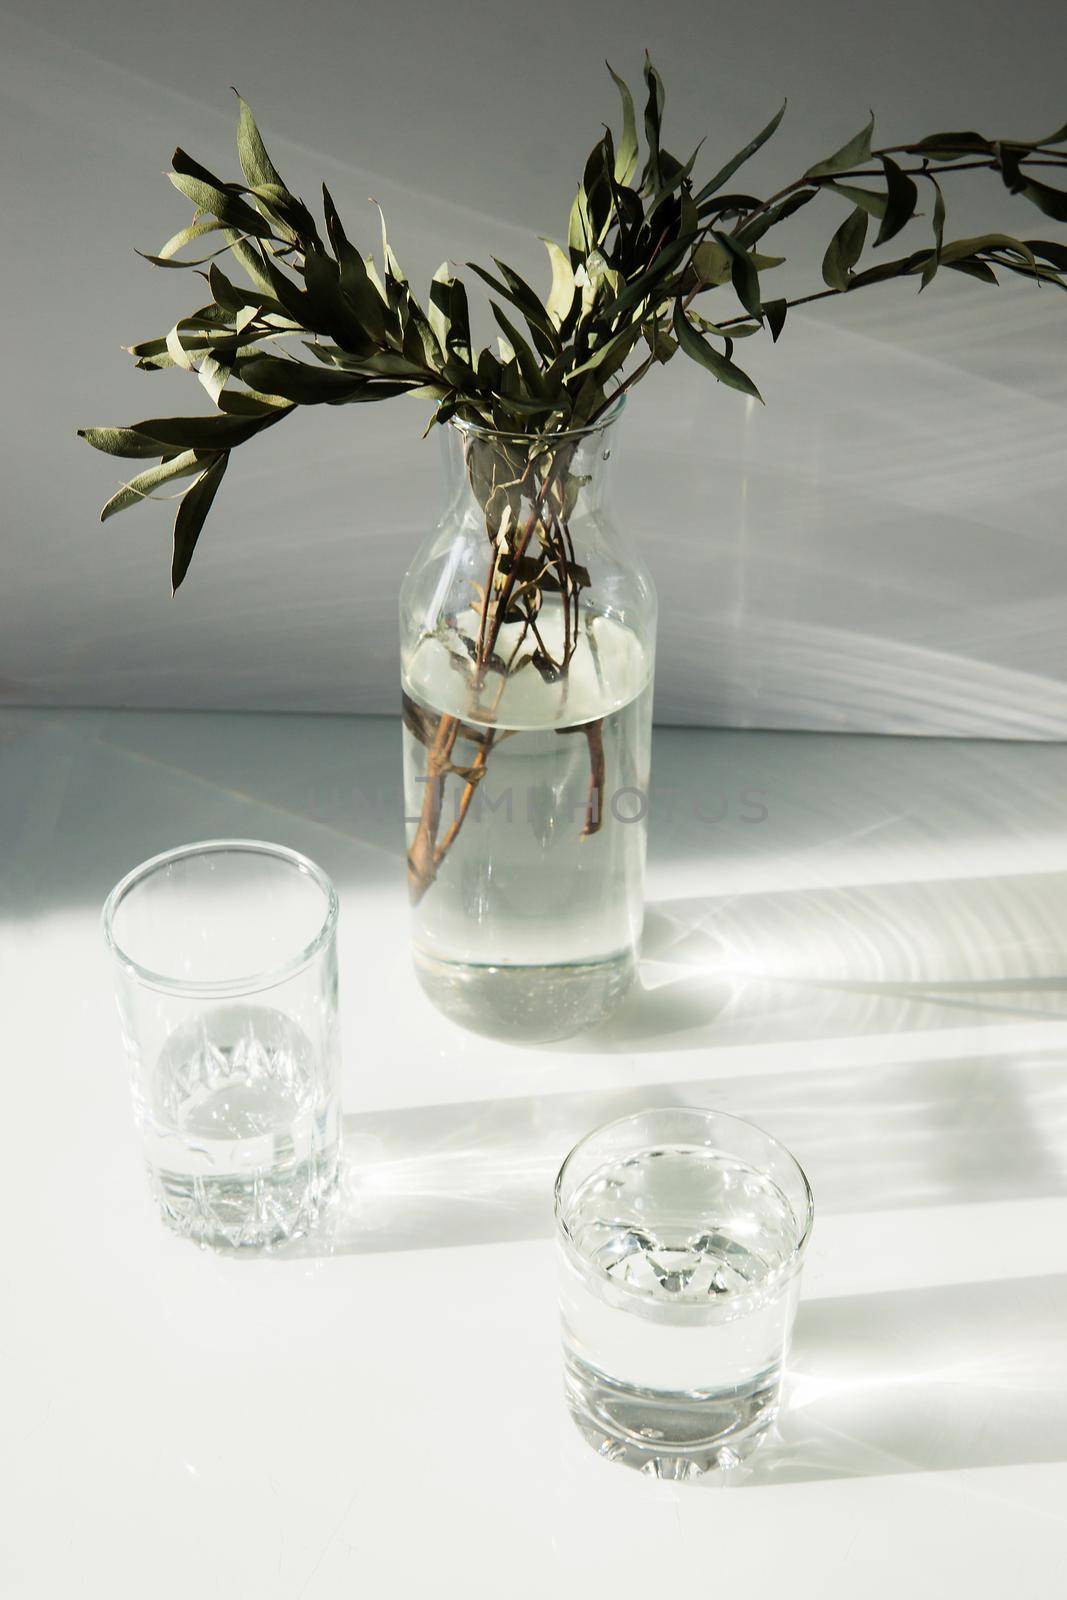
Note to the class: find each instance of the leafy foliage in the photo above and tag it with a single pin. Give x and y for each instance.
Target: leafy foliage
(315, 321)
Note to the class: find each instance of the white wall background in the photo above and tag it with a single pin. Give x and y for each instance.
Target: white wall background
(882, 548)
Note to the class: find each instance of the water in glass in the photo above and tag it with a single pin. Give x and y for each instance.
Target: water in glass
(531, 925)
(677, 1296)
(240, 1135)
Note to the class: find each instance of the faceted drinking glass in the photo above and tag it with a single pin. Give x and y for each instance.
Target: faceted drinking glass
(681, 1234)
(226, 981)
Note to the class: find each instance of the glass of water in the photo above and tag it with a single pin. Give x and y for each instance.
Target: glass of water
(681, 1235)
(227, 993)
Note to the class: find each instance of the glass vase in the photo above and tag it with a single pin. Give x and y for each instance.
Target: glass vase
(527, 629)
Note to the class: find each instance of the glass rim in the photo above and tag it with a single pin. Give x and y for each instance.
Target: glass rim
(785, 1269)
(247, 983)
(480, 430)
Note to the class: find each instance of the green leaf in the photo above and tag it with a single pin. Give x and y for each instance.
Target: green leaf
(394, 275)
(208, 194)
(528, 363)
(743, 276)
(646, 285)
(720, 366)
(178, 241)
(844, 250)
(120, 442)
(901, 199)
(712, 263)
(951, 144)
(331, 307)
(256, 164)
(356, 283)
(1049, 250)
(612, 350)
(1059, 137)
(725, 173)
(1044, 274)
(660, 344)
(200, 433)
(309, 313)
(215, 326)
(193, 508)
(248, 257)
(873, 203)
(934, 260)
(673, 179)
(439, 310)
(626, 153)
(140, 487)
(756, 227)
(527, 300)
(974, 269)
(734, 330)
(226, 207)
(959, 249)
(290, 215)
(519, 293)
(900, 268)
(657, 95)
(185, 263)
(312, 386)
(857, 150)
(579, 228)
(226, 296)
(775, 311)
(239, 403)
(561, 295)
(1053, 202)
(449, 314)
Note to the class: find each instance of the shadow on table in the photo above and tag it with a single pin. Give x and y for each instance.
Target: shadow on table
(927, 1380)
(829, 962)
(879, 1138)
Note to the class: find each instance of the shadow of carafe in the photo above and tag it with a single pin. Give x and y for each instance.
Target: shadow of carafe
(840, 961)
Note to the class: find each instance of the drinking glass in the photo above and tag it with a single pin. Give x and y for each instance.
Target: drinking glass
(681, 1234)
(226, 981)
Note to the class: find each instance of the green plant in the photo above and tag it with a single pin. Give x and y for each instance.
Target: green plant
(645, 240)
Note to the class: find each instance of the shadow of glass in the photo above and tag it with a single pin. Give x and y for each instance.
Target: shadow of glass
(927, 1380)
(883, 1138)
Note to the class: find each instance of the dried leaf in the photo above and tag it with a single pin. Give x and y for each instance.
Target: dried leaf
(561, 295)
(140, 487)
(193, 508)
(256, 164)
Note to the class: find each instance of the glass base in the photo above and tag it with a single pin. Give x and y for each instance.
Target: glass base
(239, 1212)
(665, 1434)
(526, 1004)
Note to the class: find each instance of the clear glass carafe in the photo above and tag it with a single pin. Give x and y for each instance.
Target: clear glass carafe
(527, 629)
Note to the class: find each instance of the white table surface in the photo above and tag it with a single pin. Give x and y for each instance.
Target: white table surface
(860, 943)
